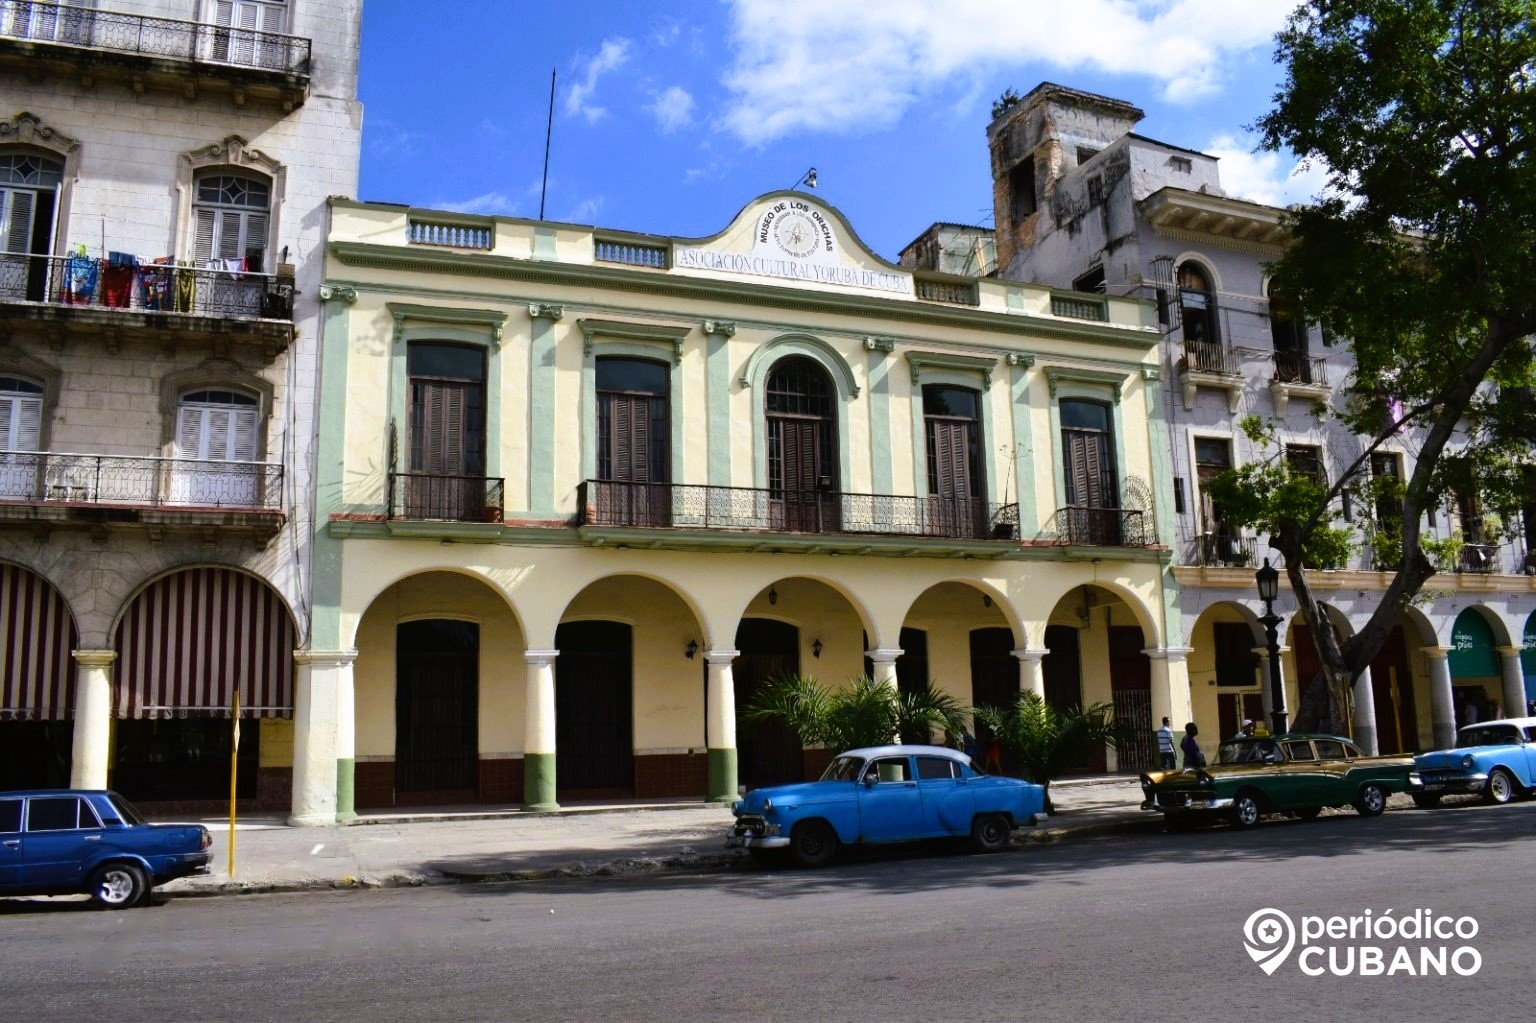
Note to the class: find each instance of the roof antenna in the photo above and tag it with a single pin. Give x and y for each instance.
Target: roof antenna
(549, 128)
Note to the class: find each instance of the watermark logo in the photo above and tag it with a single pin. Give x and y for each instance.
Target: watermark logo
(1416, 943)
(1269, 937)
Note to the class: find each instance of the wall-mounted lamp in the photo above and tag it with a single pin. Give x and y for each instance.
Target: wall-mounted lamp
(816, 648)
(773, 595)
(808, 179)
(691, 649)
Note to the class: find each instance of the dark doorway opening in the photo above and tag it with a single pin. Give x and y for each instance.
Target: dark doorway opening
(994, 683)
(767, 753)
(1397, 722)
(594, 711)
(1130, 680)
(174, 760)
(35, 754)
(437, 695)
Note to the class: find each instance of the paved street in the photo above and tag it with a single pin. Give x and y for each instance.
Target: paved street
(1122, 927)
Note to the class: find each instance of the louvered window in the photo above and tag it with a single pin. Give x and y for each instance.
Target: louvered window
(29, 184)
(243, 28)
(953, 437)
(61, 21)
(802, 444)
(1089, 456)
(217, 425)
(21, 414)
(230, 220)
(632, 421)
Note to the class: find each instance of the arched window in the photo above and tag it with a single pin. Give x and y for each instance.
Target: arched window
(1288, 329)
(1197, 304)
(217, 433)
(21, 414)
(802, 446)
(229, 220)
(29, 199)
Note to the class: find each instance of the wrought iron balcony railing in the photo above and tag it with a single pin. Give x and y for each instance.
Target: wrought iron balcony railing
(1099, 527)
(1210, 357)
(47, 477)
(681, 506)
(1478, 558)
(1224, 550)
(62, 24)
(1300, 368)
(144, 288)
(428, 496)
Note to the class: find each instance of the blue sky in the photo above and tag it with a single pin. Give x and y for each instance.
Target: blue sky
(670, 115)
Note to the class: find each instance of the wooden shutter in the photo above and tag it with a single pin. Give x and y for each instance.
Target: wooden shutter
(16, 209)
(189, 431)
(228, 235)
(255, 243)
(1076, 446)
(204, 228)
(949, 445)
(28, 431)
(243, 430)
(216, 434)
(629, 421)
(442, 427)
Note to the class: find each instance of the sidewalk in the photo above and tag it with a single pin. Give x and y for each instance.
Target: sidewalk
(486, 844)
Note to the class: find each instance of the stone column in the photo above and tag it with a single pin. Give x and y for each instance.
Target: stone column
(1514, 681)
(93, 718)
(1170, 687)
(883, 664)
(720, 728)
(1442, 710)
(1364, 717)
(323, 767)
(1031, 670)
(539, 734)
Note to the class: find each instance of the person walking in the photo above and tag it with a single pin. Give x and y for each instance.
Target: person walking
(1192, 756)
(1165, 750)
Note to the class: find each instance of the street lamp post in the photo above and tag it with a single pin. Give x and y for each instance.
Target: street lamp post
(1269, 588)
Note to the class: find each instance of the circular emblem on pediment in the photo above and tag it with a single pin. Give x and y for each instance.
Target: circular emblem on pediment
(795, 233)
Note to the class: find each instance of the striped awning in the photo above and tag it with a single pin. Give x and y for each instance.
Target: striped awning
(37, 633)
(190, 638)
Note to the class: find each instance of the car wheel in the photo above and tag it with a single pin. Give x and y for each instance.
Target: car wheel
(1371, 801)
(1309, 813)
(119, 886)
(1246, 810)
(1500, 788)
(812, 844)
(990, 833)
(1426, 800)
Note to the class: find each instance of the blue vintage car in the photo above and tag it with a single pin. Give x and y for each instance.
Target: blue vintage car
(884, 794)
(1496, 759)
(63, 842)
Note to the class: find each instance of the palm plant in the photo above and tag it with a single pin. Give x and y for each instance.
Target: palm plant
(1048, 742)
(866, 712)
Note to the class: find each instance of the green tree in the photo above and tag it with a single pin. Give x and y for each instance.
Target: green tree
(1047, 742)
(1423, 115)
(866, 712)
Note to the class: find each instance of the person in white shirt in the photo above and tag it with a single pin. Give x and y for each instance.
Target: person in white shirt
(1165, 747)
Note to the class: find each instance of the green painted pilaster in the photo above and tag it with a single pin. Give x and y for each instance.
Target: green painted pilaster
(1021, 469)
(539, 781)
(346, 789)
(722, 776)
(881, 469)
(541, 409)
(717, 370)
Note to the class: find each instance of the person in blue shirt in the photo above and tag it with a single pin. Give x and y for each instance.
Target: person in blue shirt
(1192, 755)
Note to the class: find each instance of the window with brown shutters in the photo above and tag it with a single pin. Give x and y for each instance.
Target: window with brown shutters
(954, 470)
(632, 421)
(446, 432)
(229, 221)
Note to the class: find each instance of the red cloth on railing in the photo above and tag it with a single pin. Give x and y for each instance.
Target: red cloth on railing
(117, 286)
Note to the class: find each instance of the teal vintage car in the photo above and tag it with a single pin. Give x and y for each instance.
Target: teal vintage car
(1294, 773)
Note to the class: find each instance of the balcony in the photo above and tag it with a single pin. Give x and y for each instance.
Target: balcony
(1298, 375)
(428, 497)
(1210, 364)
(1098, 527)
(148, 52)
(44, 489)
(94, 295)
(1478, 559)
(669, 506)
(1224, 550)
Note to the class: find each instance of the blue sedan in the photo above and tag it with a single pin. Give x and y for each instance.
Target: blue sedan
(1495, 759)
(884, 794)
(63, 842)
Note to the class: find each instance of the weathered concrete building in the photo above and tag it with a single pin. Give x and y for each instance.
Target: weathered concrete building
(163, 176)
(1082, 201)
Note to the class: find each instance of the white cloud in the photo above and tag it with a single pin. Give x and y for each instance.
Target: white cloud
(808, 65)
(1274, 179)
(612, 55)
(673, 109)
(584, 212)
(492, 203)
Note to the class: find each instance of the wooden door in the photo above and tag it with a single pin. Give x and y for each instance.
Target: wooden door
(437, 691)
(1130, 681)
(768, 753)
(1397, 723)
(594, 720)
(799, 477)
(955, 506)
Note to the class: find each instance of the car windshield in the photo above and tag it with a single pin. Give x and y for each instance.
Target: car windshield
(129, 813)
(1247, 751)
(1492, 735)
(843, 769)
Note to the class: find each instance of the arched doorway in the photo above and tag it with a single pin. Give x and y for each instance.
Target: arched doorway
(594, 699)
(437, 688)
(800, 406)
(767, 752)
(1476, 679)
(37, 682)
(1397, 719)
(185, 645)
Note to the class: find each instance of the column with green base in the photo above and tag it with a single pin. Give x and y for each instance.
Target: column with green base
(720, 729)
(1031, 670)
(539, 735)
(93, 718)
(323, 738)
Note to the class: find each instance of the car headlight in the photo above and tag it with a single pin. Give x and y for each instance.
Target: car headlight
(767, 805)
(1467, 762)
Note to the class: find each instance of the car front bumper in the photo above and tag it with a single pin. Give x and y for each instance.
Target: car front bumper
(1439, 783)
(751, 841)
(1208, 805)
